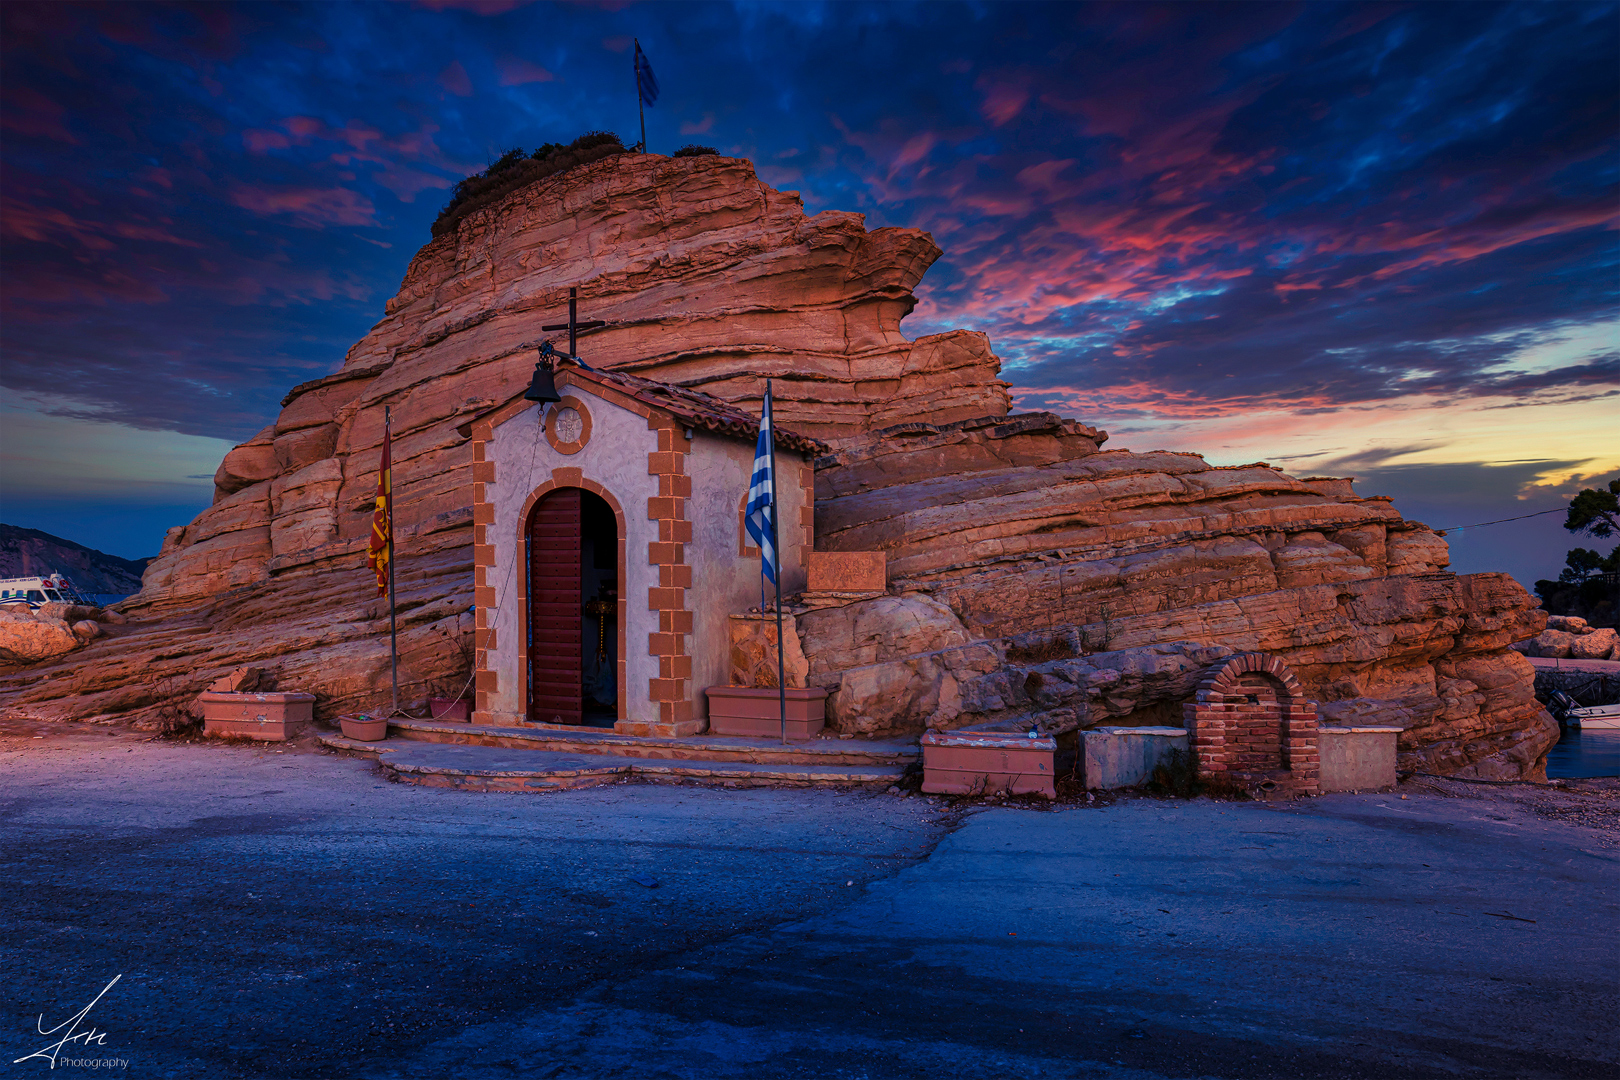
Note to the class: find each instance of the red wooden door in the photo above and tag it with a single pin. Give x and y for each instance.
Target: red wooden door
(556, 695)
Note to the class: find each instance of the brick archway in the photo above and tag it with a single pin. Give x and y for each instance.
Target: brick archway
(1250, 723)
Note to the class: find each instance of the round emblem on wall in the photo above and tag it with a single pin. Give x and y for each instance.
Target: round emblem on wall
(568, 426)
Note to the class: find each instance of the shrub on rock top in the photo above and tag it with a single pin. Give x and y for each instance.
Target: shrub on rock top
(694, 150)
(516, 168)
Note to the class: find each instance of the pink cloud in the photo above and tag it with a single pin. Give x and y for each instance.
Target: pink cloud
(698, 127)
(454, 79)
(310, 207)
(259, 141)
(31, 219)
(407, 183)
(515, 72)
(30, 113)
(1004, 98)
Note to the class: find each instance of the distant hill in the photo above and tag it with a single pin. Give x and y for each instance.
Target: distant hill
(29, 552)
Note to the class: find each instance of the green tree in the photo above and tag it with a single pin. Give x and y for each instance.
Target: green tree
(1596, 513)
(1582, 563)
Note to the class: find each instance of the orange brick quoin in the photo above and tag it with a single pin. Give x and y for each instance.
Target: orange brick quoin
(1250, 724)
(807, 508)
(671, 688)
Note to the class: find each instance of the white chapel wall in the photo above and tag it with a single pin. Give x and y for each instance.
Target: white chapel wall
(723, 580)
(615, 457)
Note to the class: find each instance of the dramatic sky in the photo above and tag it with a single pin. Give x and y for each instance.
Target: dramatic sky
(1369, 240)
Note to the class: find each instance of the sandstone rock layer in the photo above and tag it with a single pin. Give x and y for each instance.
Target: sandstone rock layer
(1016, 536)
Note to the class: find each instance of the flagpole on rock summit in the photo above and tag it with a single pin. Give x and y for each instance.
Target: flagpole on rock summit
(776, 552)
(641, 107)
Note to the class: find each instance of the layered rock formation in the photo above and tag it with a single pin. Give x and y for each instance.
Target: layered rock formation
(1033, 573)
(1016, 544)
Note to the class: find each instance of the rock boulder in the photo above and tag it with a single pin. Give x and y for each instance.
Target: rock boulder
(28, 637)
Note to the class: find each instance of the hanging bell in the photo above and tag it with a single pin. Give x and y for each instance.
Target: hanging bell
(543, 388)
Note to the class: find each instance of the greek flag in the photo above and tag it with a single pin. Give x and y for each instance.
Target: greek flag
(646, 82)
(760, 518)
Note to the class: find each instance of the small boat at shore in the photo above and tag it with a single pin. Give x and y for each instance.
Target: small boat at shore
(1594, 718)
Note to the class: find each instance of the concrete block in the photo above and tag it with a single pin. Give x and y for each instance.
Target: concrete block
(1358, 758)
(1117, 757)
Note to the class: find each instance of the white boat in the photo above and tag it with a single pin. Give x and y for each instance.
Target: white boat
(35, 591)
(1594, 718)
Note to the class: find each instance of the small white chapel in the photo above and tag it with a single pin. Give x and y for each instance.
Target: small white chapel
(610, 550)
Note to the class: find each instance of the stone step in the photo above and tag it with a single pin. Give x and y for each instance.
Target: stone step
(692, 748)
(495, 768)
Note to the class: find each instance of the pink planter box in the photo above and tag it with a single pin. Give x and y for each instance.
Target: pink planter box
(446, 709)
(270, 716)
(756, 712)
(984, 762)
(363, 729)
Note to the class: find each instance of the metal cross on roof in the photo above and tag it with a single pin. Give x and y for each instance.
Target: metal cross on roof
(573, 325)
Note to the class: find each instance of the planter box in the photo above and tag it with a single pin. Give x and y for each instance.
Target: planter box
(985, 762)
(364, 728)
(1357, 758)
(272, 717)
(756, 712)
(1119, 757)
(444, 709)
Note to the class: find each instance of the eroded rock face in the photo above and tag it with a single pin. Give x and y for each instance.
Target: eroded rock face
(706, 277)
(1019, 523)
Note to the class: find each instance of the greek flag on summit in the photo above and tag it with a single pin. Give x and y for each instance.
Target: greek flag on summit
(646, 82)
(762, 495)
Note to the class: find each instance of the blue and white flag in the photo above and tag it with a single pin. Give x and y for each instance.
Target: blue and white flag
(761, 514)
(646, 82)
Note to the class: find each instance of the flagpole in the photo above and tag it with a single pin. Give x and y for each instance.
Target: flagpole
(393, 617)
(641, 107)
(776, 552)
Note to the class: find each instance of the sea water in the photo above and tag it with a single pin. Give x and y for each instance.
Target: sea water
(1582, 753)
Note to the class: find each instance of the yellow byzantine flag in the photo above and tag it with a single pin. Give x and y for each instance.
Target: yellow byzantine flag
(382, 519)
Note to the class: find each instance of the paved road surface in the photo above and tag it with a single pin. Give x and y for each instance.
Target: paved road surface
(291, 915)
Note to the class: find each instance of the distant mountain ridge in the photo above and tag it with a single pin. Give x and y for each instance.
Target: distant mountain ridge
(30, 552)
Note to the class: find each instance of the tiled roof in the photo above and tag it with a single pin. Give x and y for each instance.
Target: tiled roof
(692, 407)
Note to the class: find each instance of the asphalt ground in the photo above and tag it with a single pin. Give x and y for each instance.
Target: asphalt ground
(293, 915)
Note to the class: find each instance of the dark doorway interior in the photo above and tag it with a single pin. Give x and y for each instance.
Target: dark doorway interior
(573, 593)
(599, 601)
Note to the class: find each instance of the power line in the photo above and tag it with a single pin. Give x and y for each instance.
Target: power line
(1498, 521)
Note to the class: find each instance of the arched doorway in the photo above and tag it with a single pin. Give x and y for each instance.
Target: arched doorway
(573, 545)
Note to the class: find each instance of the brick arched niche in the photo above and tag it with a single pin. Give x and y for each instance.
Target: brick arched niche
(1250, 723)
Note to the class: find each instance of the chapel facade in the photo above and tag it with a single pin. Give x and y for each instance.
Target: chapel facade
(609, 551)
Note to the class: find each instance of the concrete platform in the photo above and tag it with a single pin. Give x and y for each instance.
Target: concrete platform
(497, 768)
